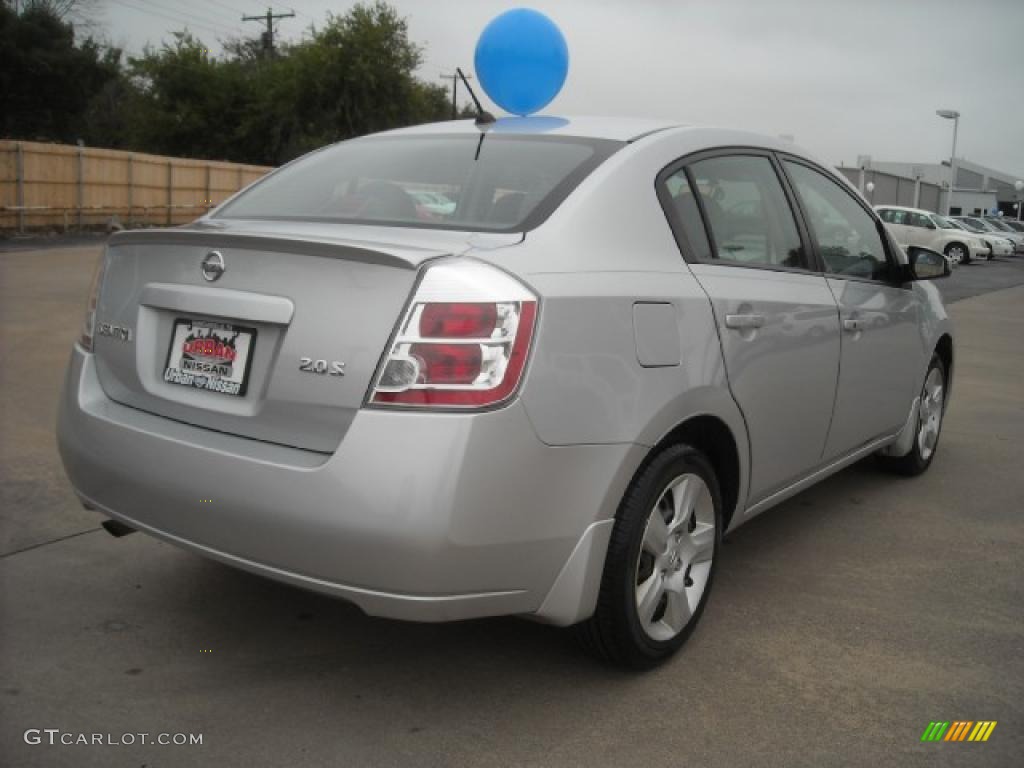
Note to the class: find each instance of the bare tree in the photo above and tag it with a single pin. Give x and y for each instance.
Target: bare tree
(83, 14)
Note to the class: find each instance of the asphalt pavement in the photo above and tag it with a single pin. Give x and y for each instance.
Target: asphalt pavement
(841, 624)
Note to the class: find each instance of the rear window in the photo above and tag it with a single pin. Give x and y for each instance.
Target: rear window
(488, 183)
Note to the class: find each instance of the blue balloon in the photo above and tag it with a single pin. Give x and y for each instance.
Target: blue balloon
(522, 60)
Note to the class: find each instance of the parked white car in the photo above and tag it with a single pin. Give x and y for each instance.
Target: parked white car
(434, 202)
(1004, 229)
(1000, 245)
(914, 226)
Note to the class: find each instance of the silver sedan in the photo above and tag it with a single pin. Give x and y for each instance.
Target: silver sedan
(624, 339)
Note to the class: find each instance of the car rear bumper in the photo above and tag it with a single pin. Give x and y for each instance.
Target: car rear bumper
(419, 516)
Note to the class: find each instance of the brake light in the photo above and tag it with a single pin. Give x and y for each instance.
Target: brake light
(445, 320)
(89, 325)
(462, 343)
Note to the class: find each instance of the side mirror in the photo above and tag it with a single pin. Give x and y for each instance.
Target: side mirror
(926, 264)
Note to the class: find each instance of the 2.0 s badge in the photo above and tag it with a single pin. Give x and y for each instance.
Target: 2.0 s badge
(329, 367)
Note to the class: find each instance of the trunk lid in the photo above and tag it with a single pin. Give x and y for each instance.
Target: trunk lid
(168, 337)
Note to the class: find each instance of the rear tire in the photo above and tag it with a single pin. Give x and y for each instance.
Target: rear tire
(958, 252)
(929, 425)
(660, 563)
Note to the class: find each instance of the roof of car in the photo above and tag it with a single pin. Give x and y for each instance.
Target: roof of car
(614, 128)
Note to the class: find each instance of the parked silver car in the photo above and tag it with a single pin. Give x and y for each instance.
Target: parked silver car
(626, 339)
(988, 229)
(1009, 232)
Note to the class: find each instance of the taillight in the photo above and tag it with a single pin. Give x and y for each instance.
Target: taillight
(89, 325)
(462, 343)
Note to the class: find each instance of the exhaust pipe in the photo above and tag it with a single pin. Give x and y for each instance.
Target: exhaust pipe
(117, 529)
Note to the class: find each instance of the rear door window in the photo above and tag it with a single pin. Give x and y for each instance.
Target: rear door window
(683, 204)
(749, 218)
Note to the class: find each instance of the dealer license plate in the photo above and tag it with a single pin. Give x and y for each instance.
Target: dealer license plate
(210, 356)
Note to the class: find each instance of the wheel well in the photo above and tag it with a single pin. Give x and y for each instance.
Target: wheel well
(944, 349)
(713, 438)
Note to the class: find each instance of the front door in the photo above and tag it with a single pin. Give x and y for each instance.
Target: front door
(882, 349)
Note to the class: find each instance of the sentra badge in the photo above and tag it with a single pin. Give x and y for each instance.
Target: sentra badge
(119, 332)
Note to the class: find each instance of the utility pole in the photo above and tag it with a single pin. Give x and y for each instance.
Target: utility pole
(268, 19)
(455, 91)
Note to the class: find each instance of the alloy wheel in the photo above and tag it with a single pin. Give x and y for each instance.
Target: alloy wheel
(675, 557)
(930, 419)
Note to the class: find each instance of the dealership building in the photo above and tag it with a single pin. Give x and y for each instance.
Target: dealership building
(978, 189)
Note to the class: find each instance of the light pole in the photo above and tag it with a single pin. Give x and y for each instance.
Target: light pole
(1019, 186)
(951, 114)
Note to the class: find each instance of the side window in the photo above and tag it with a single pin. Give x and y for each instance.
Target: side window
(684, 204)
(749, 219)
(920, 220)
(845, 233)
(898, 217)
(886, 215)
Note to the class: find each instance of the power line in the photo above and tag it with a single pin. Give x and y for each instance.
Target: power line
(268, 19)
(178, 16)
(194, 17)
(214, 15)
(233, 10)
(152, 12)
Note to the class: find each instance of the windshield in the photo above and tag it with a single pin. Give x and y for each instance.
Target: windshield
(999, 225)
(473, 182)
(976, 225)
(944, 223)
(1015, 225)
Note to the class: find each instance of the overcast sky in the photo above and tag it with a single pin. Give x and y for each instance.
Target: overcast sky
(845, 77)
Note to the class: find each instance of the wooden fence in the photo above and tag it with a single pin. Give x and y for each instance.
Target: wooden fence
(55, 186)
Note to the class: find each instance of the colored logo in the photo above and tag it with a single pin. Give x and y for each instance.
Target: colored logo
(959, 730)
(209, 354)
(211, 348)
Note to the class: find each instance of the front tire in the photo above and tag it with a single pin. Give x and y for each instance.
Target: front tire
(959, 253)
(660, 562)
(929, 424)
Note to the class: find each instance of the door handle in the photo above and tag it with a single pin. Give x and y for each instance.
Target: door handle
(744, 321)
(852, 325)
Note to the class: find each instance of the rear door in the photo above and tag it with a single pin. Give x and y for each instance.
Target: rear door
(882, 347)
(777, 319)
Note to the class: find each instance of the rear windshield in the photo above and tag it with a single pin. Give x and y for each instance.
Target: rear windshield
(488, 183)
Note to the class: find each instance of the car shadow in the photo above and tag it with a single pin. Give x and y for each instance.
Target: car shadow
(270, 630)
